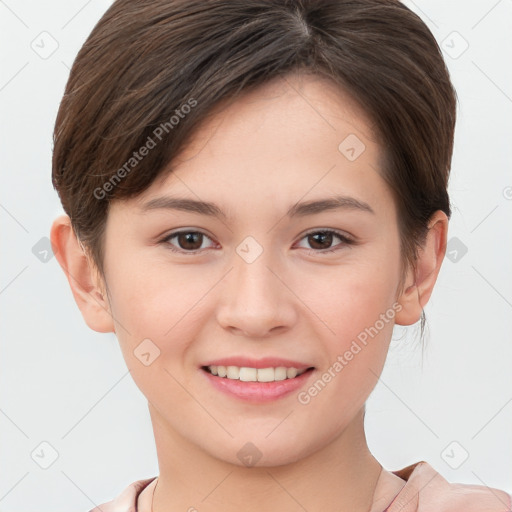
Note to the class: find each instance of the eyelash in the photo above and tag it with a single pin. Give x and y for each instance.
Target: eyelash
(346, 241)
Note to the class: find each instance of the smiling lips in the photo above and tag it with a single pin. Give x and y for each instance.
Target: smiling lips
(256, 380)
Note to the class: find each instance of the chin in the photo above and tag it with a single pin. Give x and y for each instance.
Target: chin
(263, 452)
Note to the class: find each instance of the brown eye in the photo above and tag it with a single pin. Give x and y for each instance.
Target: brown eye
(190, 240)
(320, 241)
(187, 242)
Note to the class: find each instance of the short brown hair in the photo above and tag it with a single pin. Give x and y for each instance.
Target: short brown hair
(146, 59)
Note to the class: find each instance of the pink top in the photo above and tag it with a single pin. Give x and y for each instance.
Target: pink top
(425, 490)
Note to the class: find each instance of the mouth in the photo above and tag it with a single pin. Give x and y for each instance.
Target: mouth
(260, 383)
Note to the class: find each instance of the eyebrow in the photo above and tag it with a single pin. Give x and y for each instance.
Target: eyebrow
(297, 210)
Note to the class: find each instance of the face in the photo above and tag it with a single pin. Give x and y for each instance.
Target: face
(261, 280)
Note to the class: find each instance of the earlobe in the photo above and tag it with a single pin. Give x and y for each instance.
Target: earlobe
(421, 281)
(410, 303)
(86, 285)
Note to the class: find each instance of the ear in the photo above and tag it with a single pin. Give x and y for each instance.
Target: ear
(84, 279)
(420, 283)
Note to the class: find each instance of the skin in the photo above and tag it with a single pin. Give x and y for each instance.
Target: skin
(255, 158)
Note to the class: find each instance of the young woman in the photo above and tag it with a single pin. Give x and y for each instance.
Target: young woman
(255, 194)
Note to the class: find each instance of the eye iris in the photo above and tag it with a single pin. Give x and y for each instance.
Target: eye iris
(190, 237)
(324, 236)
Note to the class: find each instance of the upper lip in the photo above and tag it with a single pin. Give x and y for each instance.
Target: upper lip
(265, 362)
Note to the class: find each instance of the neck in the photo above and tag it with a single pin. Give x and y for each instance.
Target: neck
(341, 476)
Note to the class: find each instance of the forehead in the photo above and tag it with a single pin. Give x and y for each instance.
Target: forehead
(285, 102)
(295, 136)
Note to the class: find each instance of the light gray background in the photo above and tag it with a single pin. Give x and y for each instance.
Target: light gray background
(68, 386)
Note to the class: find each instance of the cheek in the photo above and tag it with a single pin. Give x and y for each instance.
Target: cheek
(152, 296)
(355, 355)
(351, 297)
(149, 302)
(356, 306)
(156, 317)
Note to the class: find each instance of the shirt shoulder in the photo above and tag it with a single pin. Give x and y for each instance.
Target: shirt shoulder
(426, 490)
(127, 500)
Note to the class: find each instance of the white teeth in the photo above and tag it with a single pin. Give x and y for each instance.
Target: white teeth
(266, 375)
(248, 374)
(291, 372)
(280, 373)
(255, 374)
(233, 372)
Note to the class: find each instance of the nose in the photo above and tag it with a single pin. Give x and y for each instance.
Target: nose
(256, 301)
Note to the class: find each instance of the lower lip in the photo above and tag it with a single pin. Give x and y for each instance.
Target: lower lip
(258, 392)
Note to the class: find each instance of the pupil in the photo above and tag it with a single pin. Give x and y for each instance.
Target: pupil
(190, 238)
(323, 236)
